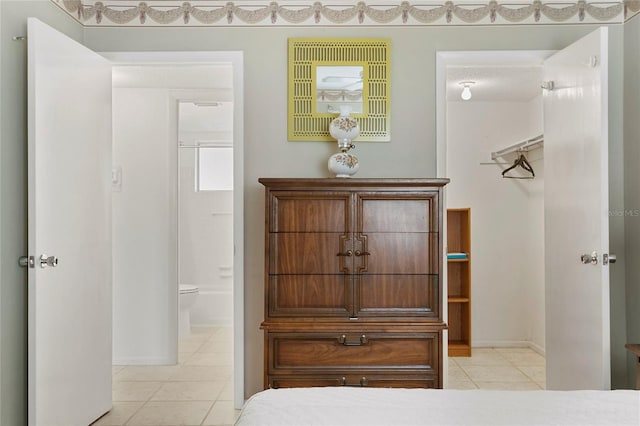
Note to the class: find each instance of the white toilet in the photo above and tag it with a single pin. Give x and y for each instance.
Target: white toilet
(188, 296)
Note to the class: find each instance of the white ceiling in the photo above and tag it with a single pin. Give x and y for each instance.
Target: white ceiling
(189, 76)
(205, 117)
(507, 76)
(211, 110)
(495, 83)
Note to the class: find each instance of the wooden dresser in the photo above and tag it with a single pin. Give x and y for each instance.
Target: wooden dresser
(353, 285)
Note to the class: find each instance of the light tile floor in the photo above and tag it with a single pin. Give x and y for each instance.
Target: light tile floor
(197, 391)
(498, 369)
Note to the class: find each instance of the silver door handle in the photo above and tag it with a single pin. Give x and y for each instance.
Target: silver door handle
(609, 258)
(48, 261)
(590, 258)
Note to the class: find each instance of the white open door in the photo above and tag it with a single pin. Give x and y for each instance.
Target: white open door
(576, 216)
(69, 166)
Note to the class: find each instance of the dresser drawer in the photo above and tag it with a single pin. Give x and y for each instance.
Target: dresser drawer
(341, 353)
(363, 379)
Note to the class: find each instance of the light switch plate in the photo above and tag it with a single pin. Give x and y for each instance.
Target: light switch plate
(116, 179)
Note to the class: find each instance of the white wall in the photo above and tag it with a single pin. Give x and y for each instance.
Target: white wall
(507, 240)
(144, 224)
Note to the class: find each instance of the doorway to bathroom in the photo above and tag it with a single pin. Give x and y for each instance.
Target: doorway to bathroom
(164, 235)
(205, 214)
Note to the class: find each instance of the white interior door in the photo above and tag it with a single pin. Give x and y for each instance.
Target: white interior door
(69, 163)
(576, 215)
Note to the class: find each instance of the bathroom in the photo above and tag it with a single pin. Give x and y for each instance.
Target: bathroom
(205, 214)
(172, 207)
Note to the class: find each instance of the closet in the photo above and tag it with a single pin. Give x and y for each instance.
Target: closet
(507, 236)
(353, 282)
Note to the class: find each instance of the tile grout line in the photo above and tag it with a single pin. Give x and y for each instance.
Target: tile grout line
(223, 381)
(519, 367)
(206, 416)
(466, 374)
(496, 353)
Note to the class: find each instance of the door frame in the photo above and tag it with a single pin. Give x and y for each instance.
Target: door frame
(443, 58)
(210, 58)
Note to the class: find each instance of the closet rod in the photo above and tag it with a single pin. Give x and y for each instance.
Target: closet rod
(520, 146)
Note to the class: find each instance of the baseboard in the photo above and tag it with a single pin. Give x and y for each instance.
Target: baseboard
(539, 349)
(143, 361)
(500, 344)
(213, 322)
(508, 344)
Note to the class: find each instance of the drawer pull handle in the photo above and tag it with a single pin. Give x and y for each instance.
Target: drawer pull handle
(362, 253)
(362, 341)
(363, 382)
(349, 253)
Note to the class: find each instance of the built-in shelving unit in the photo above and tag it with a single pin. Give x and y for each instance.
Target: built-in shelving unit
(459, 280)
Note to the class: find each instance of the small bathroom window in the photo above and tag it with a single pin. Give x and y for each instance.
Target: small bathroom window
(214, 168)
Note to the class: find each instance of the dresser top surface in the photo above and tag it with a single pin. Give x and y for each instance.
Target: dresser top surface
(352, 182)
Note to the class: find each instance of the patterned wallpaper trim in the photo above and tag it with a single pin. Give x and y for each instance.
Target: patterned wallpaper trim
(216, 13)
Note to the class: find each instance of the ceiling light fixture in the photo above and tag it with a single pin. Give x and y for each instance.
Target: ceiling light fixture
(466, 89)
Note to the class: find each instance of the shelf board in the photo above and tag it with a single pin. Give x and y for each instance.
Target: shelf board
(459, 348)
(457, 260)
(458, 299)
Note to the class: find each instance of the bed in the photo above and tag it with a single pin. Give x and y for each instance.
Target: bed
(380, 406)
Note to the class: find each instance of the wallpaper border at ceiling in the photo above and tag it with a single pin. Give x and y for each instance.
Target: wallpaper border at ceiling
(216, 13)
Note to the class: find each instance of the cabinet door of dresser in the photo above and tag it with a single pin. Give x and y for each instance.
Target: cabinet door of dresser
(397, 252)
(309, 251)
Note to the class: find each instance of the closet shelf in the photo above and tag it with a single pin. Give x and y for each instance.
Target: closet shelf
(458, 299)
(457, 255)
(526, 145)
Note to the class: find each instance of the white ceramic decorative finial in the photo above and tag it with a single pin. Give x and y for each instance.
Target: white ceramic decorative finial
(344, 129)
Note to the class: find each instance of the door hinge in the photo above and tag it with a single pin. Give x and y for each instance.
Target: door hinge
(547, 85)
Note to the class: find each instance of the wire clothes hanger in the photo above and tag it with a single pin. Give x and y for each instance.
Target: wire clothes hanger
(522, 162)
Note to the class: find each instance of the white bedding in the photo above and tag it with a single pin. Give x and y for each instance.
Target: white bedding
(377, 406)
